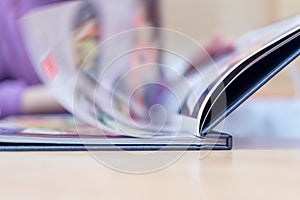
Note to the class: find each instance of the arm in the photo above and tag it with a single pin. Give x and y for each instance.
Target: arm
(17, 98)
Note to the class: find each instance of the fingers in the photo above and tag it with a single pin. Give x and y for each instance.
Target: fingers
(219, 45)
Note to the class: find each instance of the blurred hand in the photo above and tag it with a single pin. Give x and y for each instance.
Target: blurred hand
(219, 45)
(215, 47)
(39, 100)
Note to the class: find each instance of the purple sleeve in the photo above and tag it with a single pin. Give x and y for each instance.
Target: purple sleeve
(10, 97)
(16, 71)
(10, 92)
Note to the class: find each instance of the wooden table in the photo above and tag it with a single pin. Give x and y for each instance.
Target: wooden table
(237, 174)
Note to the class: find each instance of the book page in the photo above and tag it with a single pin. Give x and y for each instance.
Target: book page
(246, 45)
(108, 65)
(256, 39)
(95, 61)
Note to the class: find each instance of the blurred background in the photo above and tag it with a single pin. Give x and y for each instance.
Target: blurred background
(204, 18)
(199, 19)
(271, 118)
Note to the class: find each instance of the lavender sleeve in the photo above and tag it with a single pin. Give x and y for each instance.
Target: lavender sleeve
(16, 70)
(10, 92)
(10, 97)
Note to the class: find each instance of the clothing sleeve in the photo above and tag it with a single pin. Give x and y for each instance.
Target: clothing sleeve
(16, 71)
(10, 97)
(10, 92)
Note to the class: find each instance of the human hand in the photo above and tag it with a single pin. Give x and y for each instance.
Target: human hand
(39, 100)
(219, 45)
(215, 47)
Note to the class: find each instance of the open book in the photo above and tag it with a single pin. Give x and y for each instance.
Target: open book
(117, 75)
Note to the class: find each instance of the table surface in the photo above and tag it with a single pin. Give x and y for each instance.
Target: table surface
(236, 174)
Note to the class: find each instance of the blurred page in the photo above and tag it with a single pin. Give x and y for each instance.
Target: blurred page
(80, 50)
